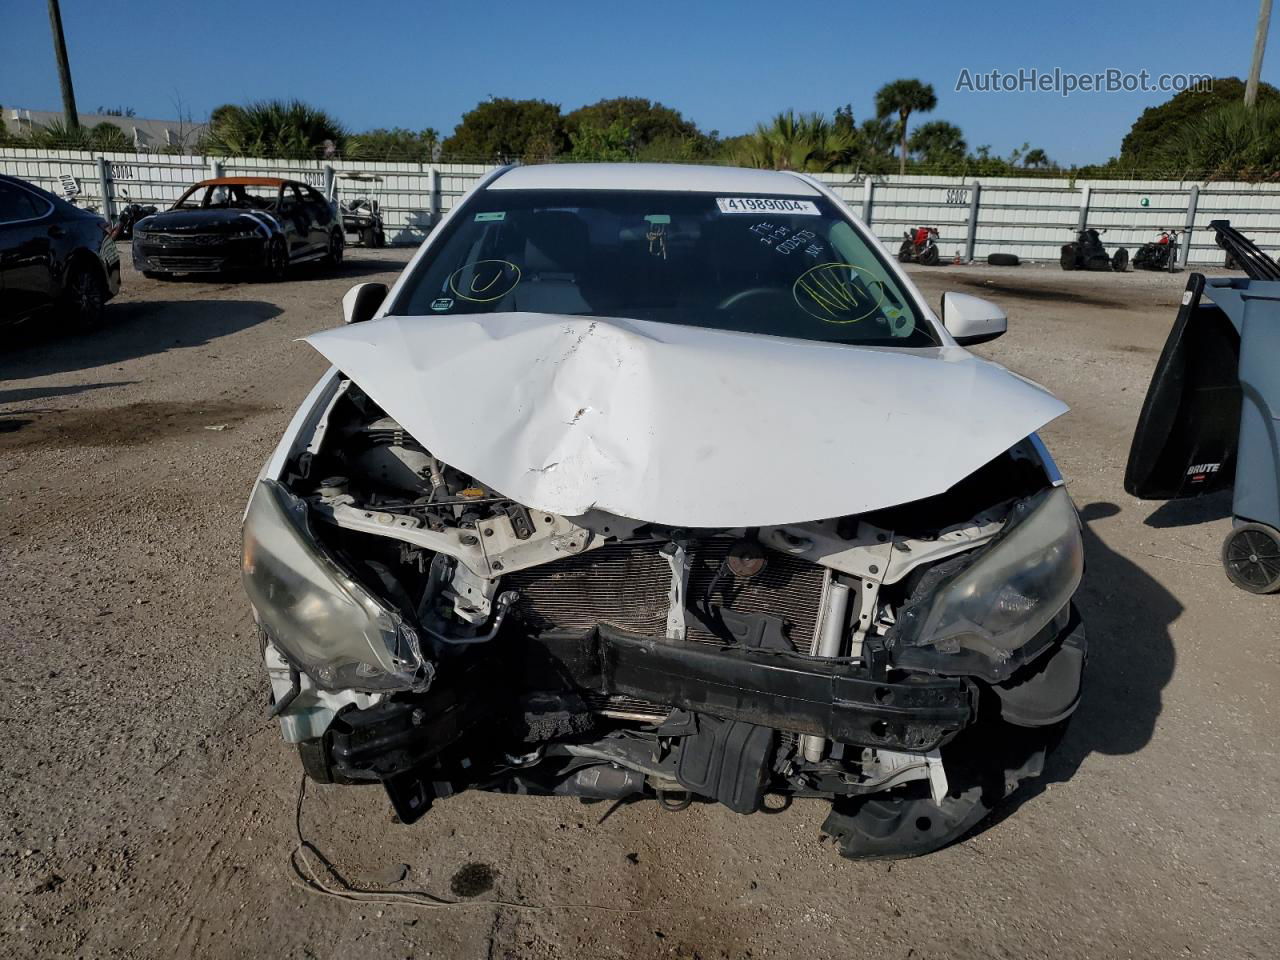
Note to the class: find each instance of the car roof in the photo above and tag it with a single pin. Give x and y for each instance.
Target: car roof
(244, 182)
(668, 177)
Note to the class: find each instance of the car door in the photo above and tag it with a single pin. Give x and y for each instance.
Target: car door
(296, 220)
(321, 218)
(27, 230)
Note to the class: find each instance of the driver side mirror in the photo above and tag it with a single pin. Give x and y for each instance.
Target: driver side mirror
(362, 301)
(971, 319)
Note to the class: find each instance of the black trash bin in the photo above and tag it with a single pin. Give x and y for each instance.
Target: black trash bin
(1211, 417)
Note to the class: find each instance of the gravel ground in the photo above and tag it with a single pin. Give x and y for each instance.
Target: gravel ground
(148, 807)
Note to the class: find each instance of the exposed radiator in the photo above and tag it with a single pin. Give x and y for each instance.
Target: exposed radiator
(627, 586)
(787, 587)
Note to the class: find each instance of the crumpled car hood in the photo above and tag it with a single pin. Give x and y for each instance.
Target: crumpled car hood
(683, 425)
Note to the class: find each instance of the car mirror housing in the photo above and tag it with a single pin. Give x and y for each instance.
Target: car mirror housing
(971, 319)
(362, 301)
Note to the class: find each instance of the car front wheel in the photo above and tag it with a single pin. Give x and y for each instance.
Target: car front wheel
(84, 296)
(277, 261)
(337, 246)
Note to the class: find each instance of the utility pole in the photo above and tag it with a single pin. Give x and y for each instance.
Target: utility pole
(64, 68)
(1259, 47)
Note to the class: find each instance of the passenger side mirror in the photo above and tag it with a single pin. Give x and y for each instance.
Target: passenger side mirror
(362, 301)
(971, 319)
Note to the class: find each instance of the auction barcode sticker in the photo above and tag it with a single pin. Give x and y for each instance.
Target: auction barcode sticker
(766, 205)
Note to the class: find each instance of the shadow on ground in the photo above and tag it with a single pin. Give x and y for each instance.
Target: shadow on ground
(27, 394)
(1185, 513)
(1127, 615)
(131, 330)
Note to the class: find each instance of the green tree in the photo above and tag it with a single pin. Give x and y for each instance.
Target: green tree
(938, 144)
(108, 137)
(791, 141)
(396, 143)
(593, 143)
(1036, 159)
(504, 129)
(1232, 142)
(698, 148)
(1146, 138)
(273, 128)
(904, 97)
(843, 119)
(876, 140)
(104, 136)
(646, 120)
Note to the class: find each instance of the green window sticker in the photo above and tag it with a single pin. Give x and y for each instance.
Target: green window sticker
(658, 217)
(490, 217)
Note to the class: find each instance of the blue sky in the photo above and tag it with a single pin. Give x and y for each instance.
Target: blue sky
(723, 64)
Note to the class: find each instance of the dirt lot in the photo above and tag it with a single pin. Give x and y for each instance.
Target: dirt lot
(147, 807)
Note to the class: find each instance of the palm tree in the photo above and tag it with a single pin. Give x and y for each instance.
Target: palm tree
(938, 143)
(1232, 142)
(905, 97)
(791, 141)
(272, 128)
(1036, 158)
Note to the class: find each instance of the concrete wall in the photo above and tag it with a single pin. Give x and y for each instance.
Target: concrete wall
(1028, 216)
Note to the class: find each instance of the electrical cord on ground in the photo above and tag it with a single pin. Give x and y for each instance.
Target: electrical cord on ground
(307, 877)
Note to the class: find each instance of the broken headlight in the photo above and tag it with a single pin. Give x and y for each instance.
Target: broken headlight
(324, 621)
(1000, 611)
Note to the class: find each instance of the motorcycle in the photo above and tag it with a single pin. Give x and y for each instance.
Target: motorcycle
(130, 214)
(1088, 253)
(1160, 254)
(920, 246)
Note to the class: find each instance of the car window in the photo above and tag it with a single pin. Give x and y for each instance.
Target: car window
(17, 204)
(233, 196)
(318, 204)
(785, 266)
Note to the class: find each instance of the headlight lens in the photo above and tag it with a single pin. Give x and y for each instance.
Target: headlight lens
(991, 617)
(319, 616)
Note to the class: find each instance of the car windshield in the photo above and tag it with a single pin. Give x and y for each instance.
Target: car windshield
(785, 266)
(230, 196)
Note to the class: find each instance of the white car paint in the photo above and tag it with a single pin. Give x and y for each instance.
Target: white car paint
(683, 178)
(680, 425)
(684, 425)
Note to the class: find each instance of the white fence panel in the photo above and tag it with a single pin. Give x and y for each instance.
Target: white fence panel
(1028, 216)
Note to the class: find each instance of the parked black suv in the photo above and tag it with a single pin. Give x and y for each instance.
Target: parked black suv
(55, 259)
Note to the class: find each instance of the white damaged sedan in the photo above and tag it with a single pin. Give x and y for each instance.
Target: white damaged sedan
(662, 481)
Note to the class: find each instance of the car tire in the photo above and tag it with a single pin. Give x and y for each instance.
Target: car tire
(368, 236)
(84, 296)
(930, 256)
(277, 261)
(1120, 260)
(379, 239)
(1003, 260)
(337, 246)
(1251, 557)
(1068, 258)
(985, 764)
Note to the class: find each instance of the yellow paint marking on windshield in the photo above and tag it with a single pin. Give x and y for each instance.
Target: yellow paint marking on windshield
(475, 289)
(826, 292)
(504, 278)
